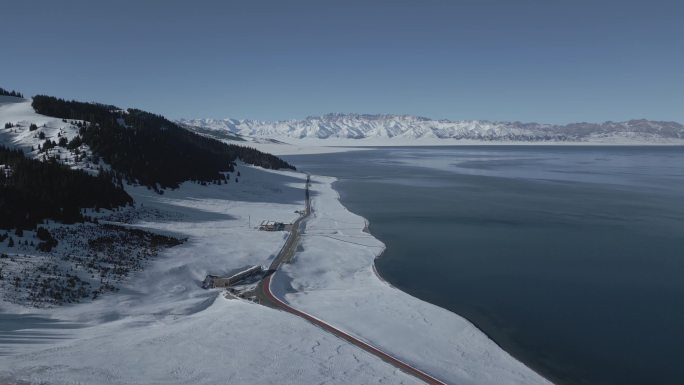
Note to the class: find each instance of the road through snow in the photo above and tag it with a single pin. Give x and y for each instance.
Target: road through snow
(267, 297)
(266, 285)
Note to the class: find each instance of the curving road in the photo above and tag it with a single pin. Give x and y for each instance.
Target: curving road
(266, 297)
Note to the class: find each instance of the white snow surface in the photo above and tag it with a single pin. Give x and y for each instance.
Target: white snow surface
(19, 112)
(163, 328)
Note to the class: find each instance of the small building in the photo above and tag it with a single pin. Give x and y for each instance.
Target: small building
(212, 281)
(271, 226)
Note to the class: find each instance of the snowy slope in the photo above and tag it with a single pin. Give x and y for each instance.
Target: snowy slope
(230, 342)
(163, 328)
(405, 128)
(19, 113)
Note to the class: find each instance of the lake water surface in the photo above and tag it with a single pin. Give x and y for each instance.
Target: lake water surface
(570, 258)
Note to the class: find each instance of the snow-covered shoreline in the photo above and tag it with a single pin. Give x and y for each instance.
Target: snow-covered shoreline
(333, 278)
(163, 328)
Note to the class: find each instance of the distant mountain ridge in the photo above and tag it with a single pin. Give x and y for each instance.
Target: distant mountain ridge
(408, 127)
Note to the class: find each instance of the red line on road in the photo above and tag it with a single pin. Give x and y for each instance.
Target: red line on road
(266, 284)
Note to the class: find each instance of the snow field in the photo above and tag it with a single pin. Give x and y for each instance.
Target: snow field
(163, 328)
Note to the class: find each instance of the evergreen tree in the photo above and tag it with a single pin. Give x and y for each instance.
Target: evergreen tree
(148, 148)
(75, 143)
(10, 93)
(37, 190)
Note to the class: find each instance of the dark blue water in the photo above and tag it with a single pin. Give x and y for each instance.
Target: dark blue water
(570, 258)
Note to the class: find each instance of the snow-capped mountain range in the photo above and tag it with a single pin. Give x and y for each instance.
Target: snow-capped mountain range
(406, 128)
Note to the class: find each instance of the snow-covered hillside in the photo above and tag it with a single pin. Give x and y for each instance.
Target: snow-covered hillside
(162, 327)
(403, 128)
(16, 131)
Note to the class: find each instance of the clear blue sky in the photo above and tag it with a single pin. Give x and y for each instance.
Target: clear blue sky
(547, 61)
